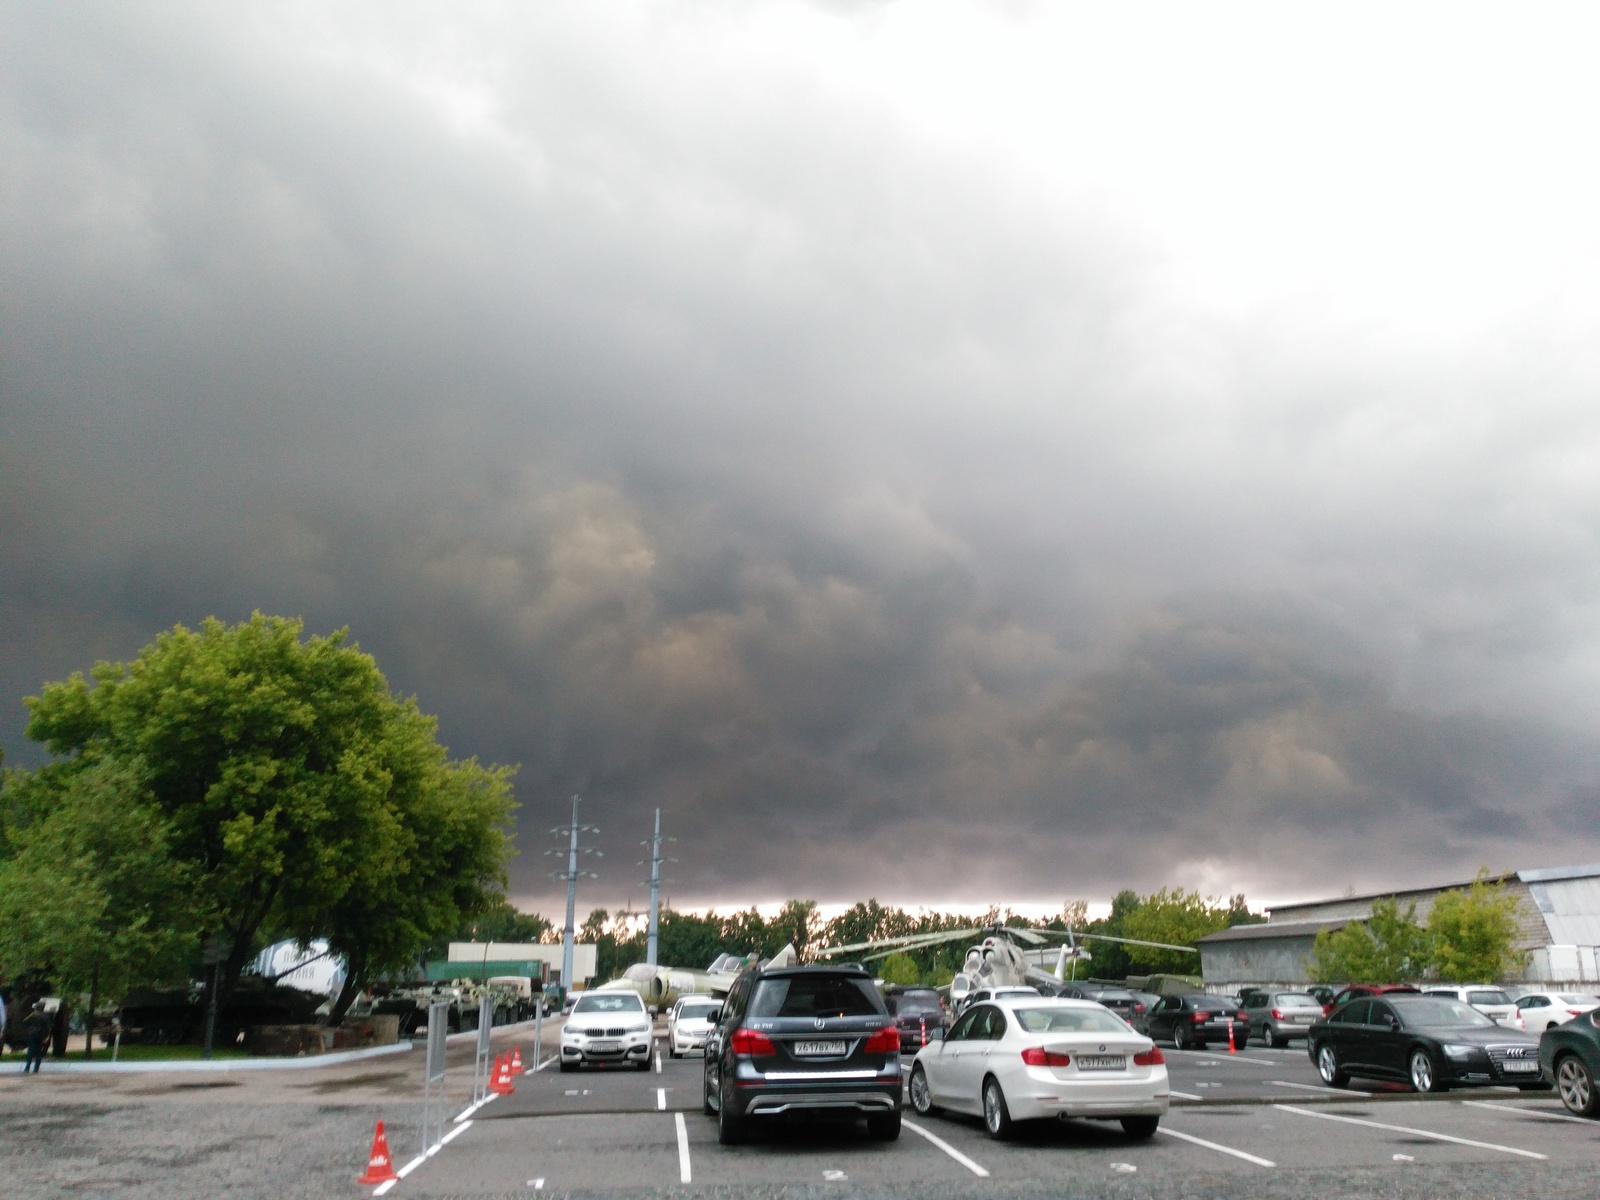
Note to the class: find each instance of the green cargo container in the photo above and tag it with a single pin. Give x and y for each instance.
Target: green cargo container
(446, 971)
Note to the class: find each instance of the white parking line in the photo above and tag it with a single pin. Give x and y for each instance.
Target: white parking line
(1316, 1087)
(1427, 1133)
(1532, 1112)
(661, 1098)
(658, 1062)
(545, 1063)
(1185, 1095)
(1230, 1058)
(1188, 1137)
(976, 1168)
(683, 1148)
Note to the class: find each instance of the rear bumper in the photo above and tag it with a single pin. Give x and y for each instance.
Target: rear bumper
(771, 1101)
(1041, 1096)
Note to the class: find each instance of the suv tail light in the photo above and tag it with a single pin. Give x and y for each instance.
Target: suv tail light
(883, 1041)
(1150, 1058)
(1241, 1016)
(757, 1045)
(1035, 1056)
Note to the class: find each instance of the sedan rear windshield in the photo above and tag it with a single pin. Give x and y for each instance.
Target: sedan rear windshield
(1068, 1020)
(1488, 996)
(1296, 1000)
(1578, 998)
(609, 1002)
(815, 996)
(1427, 1012)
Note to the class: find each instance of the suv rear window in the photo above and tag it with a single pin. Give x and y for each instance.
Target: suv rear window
(1488, 996)
(815, 996)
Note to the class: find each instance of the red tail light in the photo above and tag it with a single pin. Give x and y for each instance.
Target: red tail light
(1150, 1058)
(1577, 1012)
(1277, 1014)
(757, 1045)
(1036, 1057)
(1241, 1016)
(1200, 1018)
(884, 1041)
(1138, 1008)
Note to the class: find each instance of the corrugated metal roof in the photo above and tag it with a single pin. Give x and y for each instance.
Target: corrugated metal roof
(1571, 909)
(1550, 874)
(1271, 929)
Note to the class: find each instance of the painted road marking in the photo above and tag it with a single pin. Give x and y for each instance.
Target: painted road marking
(1403, 1158)
(1532, 1112)
(835, 1177)
(683, 1148)
(474, 1107)
(977, 1169)
(661, 1099)
(1316, 1087)
(1427, 1133)
(1228, 1058)
(1185, 1095)
(383, 1188)
(536, 1184)
(545, 1063)
(1187, 1137)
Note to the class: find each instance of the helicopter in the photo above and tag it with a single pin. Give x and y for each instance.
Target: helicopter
(997, 960)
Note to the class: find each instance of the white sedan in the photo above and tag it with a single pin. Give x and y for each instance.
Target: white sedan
(689, 1022)
(1540, 1010)
(1027, 1057)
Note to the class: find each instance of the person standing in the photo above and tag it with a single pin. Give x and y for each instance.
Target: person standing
(36, 1027)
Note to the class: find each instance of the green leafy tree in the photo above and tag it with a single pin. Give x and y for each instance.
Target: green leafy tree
(91, 899)
(1389, 946)
(277, 764)
(797, 924)
(900, 968)
(1473, 933)
(1177, 917)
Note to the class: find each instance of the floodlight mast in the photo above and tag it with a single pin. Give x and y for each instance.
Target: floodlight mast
(571, 875)
(655, 894)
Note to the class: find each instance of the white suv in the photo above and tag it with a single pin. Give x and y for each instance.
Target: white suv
(1491, 1001)
(606, 1027)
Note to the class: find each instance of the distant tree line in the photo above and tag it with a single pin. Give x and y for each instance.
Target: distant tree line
(231, 787)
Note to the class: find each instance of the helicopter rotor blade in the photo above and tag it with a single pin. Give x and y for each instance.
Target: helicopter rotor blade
(917, 939)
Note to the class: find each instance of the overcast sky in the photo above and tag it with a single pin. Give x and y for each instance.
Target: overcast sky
(952, 453)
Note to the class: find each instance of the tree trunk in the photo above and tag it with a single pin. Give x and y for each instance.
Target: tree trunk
(354, 981)
(88, 1017)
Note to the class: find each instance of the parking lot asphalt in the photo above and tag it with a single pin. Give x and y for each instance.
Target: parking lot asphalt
(1260, 1126)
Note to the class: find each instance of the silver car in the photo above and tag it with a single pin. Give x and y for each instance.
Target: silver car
(1491, 1001)
(606, 1027)
(690, 1020)
(1279, 1016)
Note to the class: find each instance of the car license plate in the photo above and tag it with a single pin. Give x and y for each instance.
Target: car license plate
(819, 1049)
(1520, 1064)
(1305, 1020)
(1102, 1062)
(605, 1047)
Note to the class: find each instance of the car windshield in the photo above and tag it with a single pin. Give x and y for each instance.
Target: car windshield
(1427, 1012)
(609, 1002)
(1487, 996)
(1068, 1020)
(1295, 1000)
(912, 1003)
(815, 996)
(1578, 998)
(1112, 996)
(696, 1012)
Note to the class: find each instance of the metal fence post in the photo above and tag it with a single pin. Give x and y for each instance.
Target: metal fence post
(538, 1034)
(433, 1077)
(480, 1065)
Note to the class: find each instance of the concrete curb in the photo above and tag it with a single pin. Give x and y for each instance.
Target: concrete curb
(303, 1062)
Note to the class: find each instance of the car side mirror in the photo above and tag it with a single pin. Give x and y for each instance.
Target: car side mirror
(1394, 1024)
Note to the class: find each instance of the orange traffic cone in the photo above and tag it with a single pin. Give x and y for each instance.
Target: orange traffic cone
(924, 1031)
(1231, 1049)
(501, 1084)
(516, 1061)
(379, 1168)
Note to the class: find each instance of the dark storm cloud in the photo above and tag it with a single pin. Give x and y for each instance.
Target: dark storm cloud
(699, 435)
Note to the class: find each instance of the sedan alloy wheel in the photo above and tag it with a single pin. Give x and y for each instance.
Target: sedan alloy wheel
(921, 1093)
(1328, 1067)
(1422, 1076)
(1576, 1086)
(996, 1116)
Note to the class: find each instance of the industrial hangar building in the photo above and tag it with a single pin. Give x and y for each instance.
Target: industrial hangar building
(1558, 922)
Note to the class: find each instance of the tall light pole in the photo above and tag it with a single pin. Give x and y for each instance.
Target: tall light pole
(572, 875)
(655, 894)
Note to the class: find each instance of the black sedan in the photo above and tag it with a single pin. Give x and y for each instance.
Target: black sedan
(1570, 1054)
(1193, 1021)
(1431, 1042)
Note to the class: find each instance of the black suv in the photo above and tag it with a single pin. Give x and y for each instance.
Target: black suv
(803, 1040)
